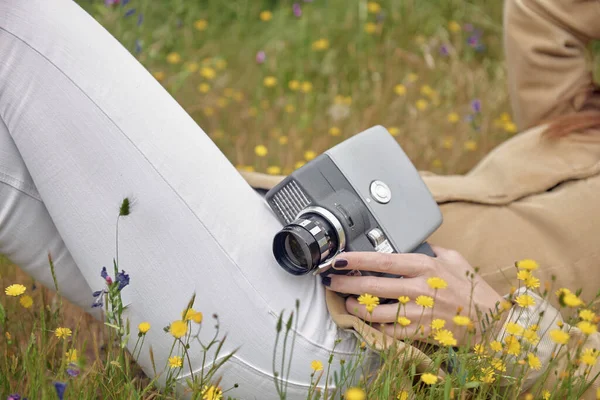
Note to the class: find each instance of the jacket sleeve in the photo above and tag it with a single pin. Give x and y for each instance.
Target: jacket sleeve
(545, 43)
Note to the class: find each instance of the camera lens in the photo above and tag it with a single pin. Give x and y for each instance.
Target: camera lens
(304, 244)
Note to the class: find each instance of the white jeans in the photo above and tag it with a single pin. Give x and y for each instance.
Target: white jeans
(82, 126)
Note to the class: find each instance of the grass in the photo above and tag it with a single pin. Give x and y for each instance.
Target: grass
(273, 90)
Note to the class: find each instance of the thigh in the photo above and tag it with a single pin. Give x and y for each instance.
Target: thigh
(557, 228)
(93, 127)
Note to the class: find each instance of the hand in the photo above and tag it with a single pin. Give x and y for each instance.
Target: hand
(465, 290)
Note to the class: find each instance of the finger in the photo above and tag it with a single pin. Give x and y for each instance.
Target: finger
(447, 254)
(409, 264)
(389, 288)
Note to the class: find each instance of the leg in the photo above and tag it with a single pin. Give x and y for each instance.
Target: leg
(93, 126)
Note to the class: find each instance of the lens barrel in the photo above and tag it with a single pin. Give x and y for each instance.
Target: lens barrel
(304, 244)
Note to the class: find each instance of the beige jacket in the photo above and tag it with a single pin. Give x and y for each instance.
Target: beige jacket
(530, 197)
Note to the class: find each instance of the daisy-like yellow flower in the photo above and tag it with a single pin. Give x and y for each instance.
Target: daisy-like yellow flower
(393, 130)
(572, 300)
(453, 26)
(369, 301)
(370, 27)
(527, 264)
(15, 290)
(316, 365)
(191, 67)
(204, 87)
(306, 87)
(589, 356)
(403, 299)
(437, 324)
(212, 393)
(270, 81)
(175, 362)
(63, 333)
(428, 378)
(445, 337)
(144, 327)
(514, 329)
(513, 346)
(587, 327)
(437, 283)
(525, 300)
(321, 44)
(173, 58)
(193, 315)
(546, 394)
(402, 395)
(448, 142)
(403, 321)
(530, 335)
(178, 329)
(283, 140)
(273, 170)
(209, 111)
(71, 355)
(559, 336)
(266, 15)
(510, 127)
(355, 393)
(335, 131)
(479, 349)
(200, 24)
(489, 376)
(422, 104)
(159, 76)
(453, 117)
(498, 364)
(532, 282)
(496, 346)
(424, 301)
(208, 73)
(533, 361)
(400, 90)
(470, 145)
(587, 315)
(26, 301)
(373, 7)
(261, 150)
(523, 275)
(294, 85)
(461, 320)
(309, 155)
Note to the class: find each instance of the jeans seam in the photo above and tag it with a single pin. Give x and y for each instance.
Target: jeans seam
(19, 185)
(271, 312)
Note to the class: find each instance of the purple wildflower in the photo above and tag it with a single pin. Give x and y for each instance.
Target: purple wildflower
(473, 40)
(104, 273)
(122, 280)
(129, 12)
(297, 10)
(73, 370)
(109, 3)
(98, 298)
(60, 388)
(261, 57)
(140, 19)
(444, 50)
(476, 105)
(125, 2)
(14, 396)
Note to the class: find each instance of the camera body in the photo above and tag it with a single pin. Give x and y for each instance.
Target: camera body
(363, 194)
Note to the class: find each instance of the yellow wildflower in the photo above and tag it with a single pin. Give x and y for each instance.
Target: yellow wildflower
(373, 7)
(448, 142)
(523, 275)
(369, 301)
(445, 337)
(470, 145)
(144, 327)
(532, 282)
(191, 67)
(204, 88)
(426, 90)
(412, 77)
(178, 329)
(273, 170)
(438, 324)
(527, 264)
(400, 90)
(514, 329)
(212, 393)
(489, 376)
(402, 395)
(572, 300)
(428, 378)
(403, 299)
(221, 64)
(587, 327)
(63, 333)
(512, 345)
(589, 356)
(393, 130)
(193, 315)
(335, 131)
(208, 73)
(8, 335)
(559, 336)
(71, 355)
(15, 290)
(316, 365)
(306, 87)
(424, 301)
(525, 300)
(238, 96)
(530, 335)
(159, 75)
(321, 44)
(299, 164)
(496, 346)
(587, 315)
(461, 320)
(261, 150)
(309, 155)
(403, 321)
(173, 58)
(175, 362)
(294, 85)
(283, 140)
(453, 117)
(200, 24)
(355, 393)
(498, 364)
(370, 27)
(454, 26)
(266, 15)
(437, 163)
(533, 361)
(510, 127)
(208, 111)
(270, 81)
(26, 301)
(479, 349)
(421, 104)
(546, 394)
(437, 283)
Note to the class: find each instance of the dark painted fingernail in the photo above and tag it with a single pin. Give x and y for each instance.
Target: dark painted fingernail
(325, 280)
(340, 263)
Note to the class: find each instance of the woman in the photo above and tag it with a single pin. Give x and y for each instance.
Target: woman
(83, 125)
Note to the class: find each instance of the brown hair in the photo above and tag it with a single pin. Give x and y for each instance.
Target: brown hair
(566, 124)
